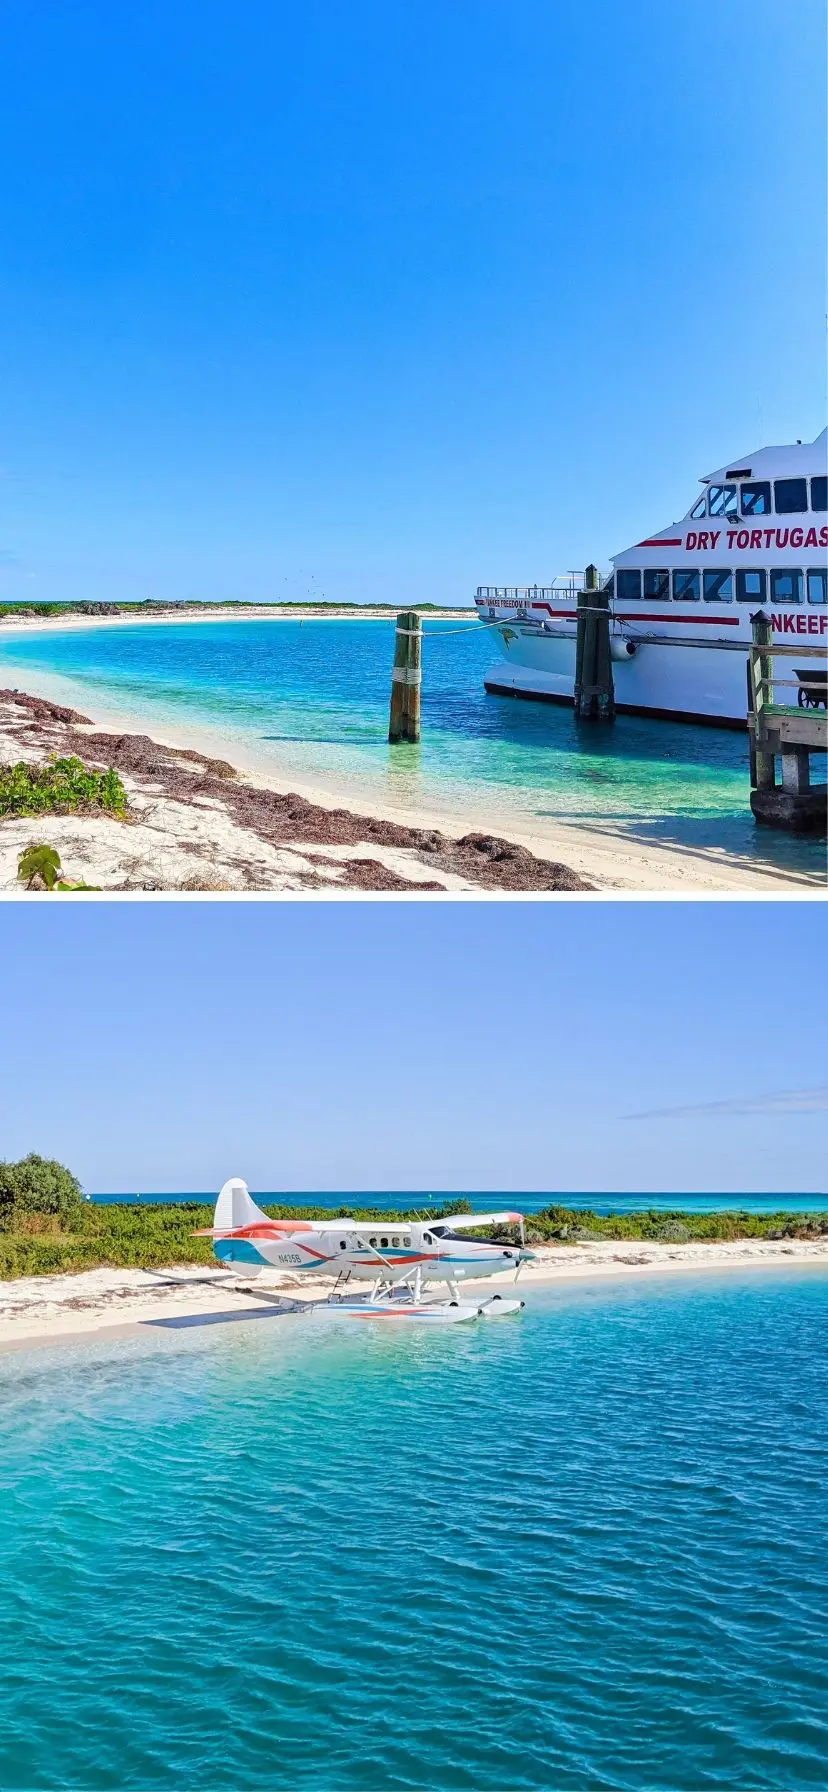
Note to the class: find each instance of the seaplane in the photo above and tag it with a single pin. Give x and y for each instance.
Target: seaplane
(399, 1258)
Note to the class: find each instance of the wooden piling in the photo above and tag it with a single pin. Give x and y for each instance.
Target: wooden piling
(406, 678)
(787, 732)
(594, 684)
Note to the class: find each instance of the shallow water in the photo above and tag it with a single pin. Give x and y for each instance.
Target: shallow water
(582, 1549)
(311, 699)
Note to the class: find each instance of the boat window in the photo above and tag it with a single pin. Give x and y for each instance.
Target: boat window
(790, 495)
(819, 493)
(722, 500)
(750, 586)
(718, 587)
(628, 584)
(756, 498)
(817, 585)
(700, 506)
(786, 585)
(657, 583)
(686, 587)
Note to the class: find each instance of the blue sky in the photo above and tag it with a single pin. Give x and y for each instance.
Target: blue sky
(382, 301)
(391, 1046)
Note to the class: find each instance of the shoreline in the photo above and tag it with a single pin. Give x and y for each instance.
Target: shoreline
(195, 824)
(37, 625)
(72, 1307)
(596, 858)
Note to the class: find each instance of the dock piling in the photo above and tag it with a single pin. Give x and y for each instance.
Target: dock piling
(787, 732)
(406, 679)
(594, 685)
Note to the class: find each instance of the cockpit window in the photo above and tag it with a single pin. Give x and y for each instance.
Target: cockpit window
(722, 500)
(790, 496)
(700, 506)
(756, 498)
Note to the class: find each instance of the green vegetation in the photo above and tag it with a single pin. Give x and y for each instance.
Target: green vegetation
(149, 1235)
(564, 1225)
(37, 1192)
(38, 867)
(148, 605)
(59, 788)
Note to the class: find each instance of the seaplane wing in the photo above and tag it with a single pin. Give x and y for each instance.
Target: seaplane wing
(465, 1222)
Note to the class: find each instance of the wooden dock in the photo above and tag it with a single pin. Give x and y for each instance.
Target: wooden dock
(786, 732)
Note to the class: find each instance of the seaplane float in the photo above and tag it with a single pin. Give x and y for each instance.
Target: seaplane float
(400, 1259)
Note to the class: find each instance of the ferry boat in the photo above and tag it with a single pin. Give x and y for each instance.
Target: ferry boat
(681, 601)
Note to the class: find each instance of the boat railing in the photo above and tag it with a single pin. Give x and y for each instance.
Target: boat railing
(567, 586)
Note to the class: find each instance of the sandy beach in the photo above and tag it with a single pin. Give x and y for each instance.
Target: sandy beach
(177, 613)
(50, 1309)
(195, 824)
(243, 828)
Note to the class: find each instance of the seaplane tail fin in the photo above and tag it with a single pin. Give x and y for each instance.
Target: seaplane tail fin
(234, 1210)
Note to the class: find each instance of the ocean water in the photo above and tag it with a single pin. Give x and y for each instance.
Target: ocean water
(583, 1549)
(423, 1199)
(311, 700)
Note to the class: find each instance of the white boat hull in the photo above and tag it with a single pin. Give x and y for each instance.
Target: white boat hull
(707, 684)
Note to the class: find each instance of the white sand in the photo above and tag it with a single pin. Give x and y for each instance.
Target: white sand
(606, 854)
(34, 625)
(48, 1309)
(173, 845)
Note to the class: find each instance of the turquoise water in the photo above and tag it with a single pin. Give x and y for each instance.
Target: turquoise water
(494, 1203)
(583, 1549)
(311, 699)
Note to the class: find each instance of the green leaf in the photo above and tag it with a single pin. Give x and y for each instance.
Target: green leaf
(39, 861)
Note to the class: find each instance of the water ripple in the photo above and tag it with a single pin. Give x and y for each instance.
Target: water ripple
(584, 1551)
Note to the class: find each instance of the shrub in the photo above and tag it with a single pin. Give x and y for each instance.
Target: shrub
(59, 788)
(38, 1185)
(672, 1232)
